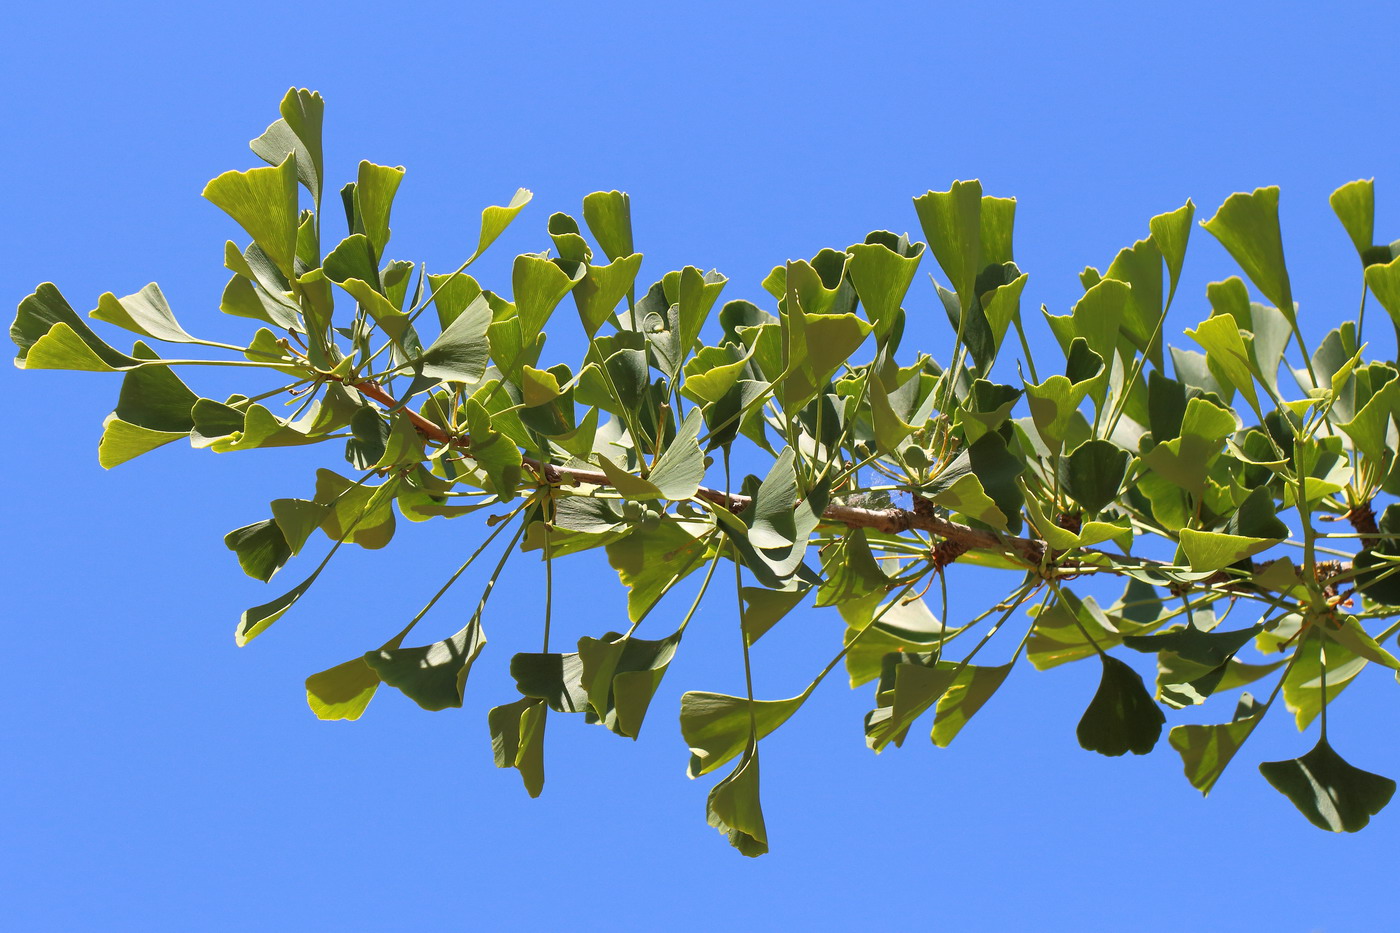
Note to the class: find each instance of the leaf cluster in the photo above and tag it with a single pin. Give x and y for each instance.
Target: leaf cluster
(1197, 477)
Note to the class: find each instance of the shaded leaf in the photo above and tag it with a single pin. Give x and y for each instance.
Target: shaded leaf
(1096, 471)
(1331, 793)
(1122, 717)
(433, 676)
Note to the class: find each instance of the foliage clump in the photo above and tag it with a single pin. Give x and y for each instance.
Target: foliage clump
(1207, 484)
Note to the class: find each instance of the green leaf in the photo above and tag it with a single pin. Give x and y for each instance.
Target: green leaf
(826, 341)
(494, 220)
(890, 428)
(517, 740)
(716, 726)
(298, 519)
(461, 352)
(1098, 314)
(1141, 267)
(452, 293)
(1355, 206)
(1209, 551)
(1096, 472)
(1254, 527)
(952, 223)
(968, 692)
(353, 258)
(153, 409)
(597, 294)
(356, 513)
(1355, 639)
(564, 231)
(297, 133)
(1004, 305)
(51, 335)
(1302, 685)
(734, 809)
(123, 441)
(1369, 430)
(552, 677)
(902, 628)
(713, 372)
(909, 685)
(433, 676)
(851, 570)
(396, 324)
(1207, 750)
(1171, 232)
(628, 485)
(1247, 226)
(1055, 402)
(494, 452)
(647, 560)
(145, 313)
(256, 620)
(621, 675)
(774, 519)
(957, 489)
(1226, 350)
(374, 198)
(1122, 716)
(680, 469)
(264, 203)
(693, 293)
(539, 285)
(997, 468)
(764, 608)
(1384, 280)
(1331, 793)
(881, 278)
(609, 218)
(261, 548)
(343, 691)
(402, 446)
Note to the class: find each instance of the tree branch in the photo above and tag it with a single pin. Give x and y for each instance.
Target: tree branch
(961, 538)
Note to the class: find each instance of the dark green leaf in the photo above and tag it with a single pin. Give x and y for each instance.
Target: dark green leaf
(433, 676)
(1096, 471)
(552, 677)
(261, 548)
(1331, 793)
(1122, 716)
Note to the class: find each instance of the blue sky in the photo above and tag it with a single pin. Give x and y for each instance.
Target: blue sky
(159, 778)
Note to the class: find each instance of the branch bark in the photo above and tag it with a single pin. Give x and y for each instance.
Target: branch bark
(958, 537)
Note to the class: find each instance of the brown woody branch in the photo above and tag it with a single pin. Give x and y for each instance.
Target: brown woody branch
(957, 537)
